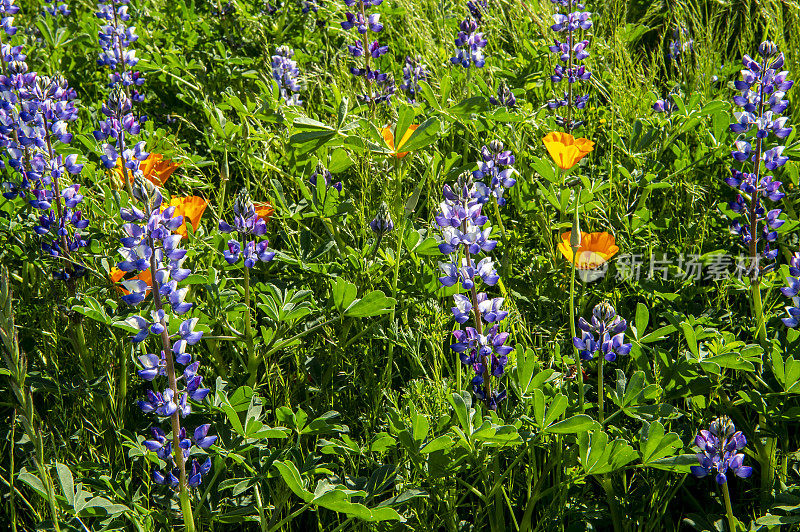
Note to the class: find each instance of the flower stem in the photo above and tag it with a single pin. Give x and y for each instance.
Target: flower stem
(400, 234)
(729, 508)
(600, 387)
(573, 332)
(175, 420)
(252, 358)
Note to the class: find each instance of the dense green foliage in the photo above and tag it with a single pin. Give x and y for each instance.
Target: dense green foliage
(327, 431)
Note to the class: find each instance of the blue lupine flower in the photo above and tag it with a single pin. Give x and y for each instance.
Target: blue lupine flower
(461, 222)
(380, 86)
(505, 98)
(762, 91)
(59, 7)
(246, 223)
(477, 8)
(414, 71)
(326, 174)
(791, 290)
(494, 173)
(605, 334)
(718, 451)
(680, 45)
(571, 52)
(285, 73)
(469, 45)
(382, 223)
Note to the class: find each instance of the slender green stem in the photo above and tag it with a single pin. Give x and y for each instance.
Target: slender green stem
(400, 234)
(252, 358)
(758, 311)
(576, 354)
(608, 487)
(729, 508)
(600, 387)
(572, 331)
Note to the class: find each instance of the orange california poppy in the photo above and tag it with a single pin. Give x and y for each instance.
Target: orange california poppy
(596, 249)
(264, 210)
(192, 209)
(155, 168)
(566, 150)
(116, 275)
(388, 137)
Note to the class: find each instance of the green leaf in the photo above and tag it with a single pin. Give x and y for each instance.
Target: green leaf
(338, 501)
(437, 444)
(642, 319)
(679, 464)
(374, 303)
(655, 444)
(572, 425)
(343, 294)
(424, 135)
(67, 482)
(598, 457)
(291, 476)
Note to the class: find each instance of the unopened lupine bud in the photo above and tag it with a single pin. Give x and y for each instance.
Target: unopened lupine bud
(382, 223)
(767, 49)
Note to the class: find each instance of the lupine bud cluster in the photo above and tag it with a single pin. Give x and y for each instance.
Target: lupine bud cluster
(572, 52)
(505, 98)
(605, 334)
(718, 451)
(115, 37)
(150, 243)
(680, 44)
(477, 9)
(761, 129)
(469, 45)
(285, 73)
(248, 224)
(362, 47)
(482, 345)
(382, 223)
(58, 7)
(495, 173)
(414, 71)
(327, 176)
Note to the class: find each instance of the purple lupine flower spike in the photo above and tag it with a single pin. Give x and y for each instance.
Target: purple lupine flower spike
(495, 173)
(469, 45)
(150, 243)
(380, 85)
(718, 451)
(604, 334)
(759, 150)
(481, 347)
(572, 52)
(248, 224)
(414, 71)
(286, 73)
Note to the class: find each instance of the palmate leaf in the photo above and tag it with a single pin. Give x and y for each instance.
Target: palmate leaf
(655, 444)
(333, 497)
(597, 456)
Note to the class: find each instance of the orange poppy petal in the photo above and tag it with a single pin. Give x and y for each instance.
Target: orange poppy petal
(192, 209)
(264, 210)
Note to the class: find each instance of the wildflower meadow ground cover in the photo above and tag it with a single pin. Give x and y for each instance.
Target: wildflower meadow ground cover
(484, 265)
